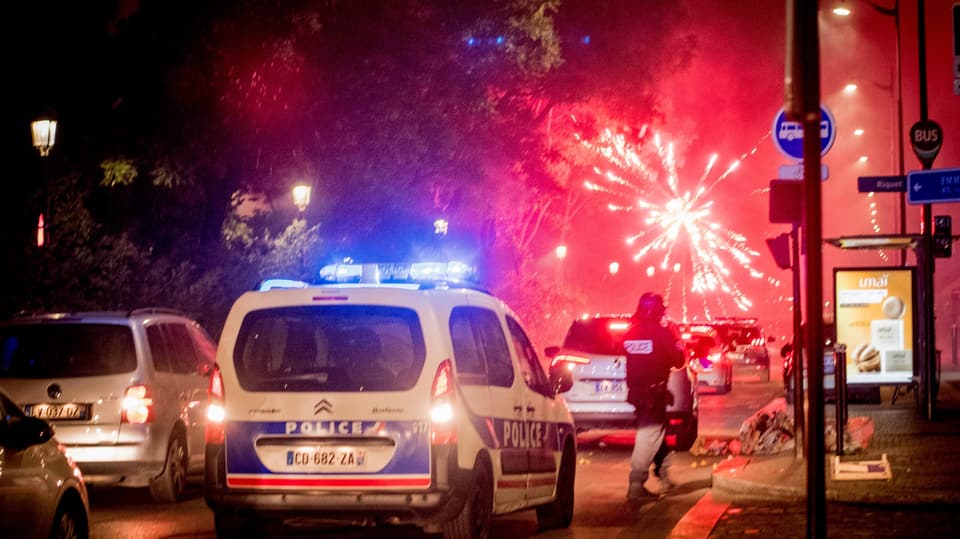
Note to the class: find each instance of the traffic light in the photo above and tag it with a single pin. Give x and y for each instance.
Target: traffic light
(942, 236)
(786, 201)
(780, 248)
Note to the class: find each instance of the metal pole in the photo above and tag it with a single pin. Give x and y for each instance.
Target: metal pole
(902, 194)
(798, 409)
(929, 334)
(802, 31)
(840, 388)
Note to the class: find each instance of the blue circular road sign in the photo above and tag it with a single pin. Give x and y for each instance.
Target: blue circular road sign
(788, 136)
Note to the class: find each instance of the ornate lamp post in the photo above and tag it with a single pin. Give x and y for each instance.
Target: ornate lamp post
(44, 131)
(301, 199)
(561, 252)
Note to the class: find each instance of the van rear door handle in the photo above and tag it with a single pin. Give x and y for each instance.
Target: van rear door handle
(517, 409)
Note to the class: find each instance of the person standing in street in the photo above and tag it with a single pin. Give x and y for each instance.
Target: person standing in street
(652, 348)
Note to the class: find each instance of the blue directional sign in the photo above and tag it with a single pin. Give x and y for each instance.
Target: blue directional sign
(929, 186)
(881, 184)
(788, 136)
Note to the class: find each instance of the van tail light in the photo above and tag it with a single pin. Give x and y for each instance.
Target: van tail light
(442, 425)
(213, 433)
(137, 405)
(569, 360)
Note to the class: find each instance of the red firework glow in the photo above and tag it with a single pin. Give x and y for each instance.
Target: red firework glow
(680, 238)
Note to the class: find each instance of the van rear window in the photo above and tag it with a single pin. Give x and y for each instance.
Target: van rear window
(597, 336)
(62, 350)
(330, 348)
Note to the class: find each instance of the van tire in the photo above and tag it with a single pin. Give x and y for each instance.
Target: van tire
(473, 520)
(559, 513)
(170, 485)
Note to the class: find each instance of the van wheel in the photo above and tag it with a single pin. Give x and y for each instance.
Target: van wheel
(559, 513)
(172, 483)
(473, 521)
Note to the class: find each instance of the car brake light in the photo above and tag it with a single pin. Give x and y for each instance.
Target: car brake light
(618, 326)
(137, 405)
(443, 429)
(570, 359)
(674, 421)
(213, 433)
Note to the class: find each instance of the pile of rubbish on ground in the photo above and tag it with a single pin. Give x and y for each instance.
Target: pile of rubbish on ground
(770, 430)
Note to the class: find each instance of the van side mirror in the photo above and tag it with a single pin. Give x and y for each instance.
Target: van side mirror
(551, 351)
(561, 377)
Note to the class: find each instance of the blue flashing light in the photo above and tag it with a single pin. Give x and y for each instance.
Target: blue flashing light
(585, 40)
(471, 41)
(270, 284)
(340, 273)
(499, 40)
(399, 272)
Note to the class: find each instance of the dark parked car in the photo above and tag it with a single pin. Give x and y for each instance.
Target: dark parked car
(744, 344)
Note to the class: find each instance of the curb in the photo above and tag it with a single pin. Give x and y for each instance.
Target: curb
(784, 479)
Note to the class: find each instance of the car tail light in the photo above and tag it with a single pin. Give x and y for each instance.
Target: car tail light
(676, 421)
(569, 360)
(213, 433)
(137, 405)
(442, 426)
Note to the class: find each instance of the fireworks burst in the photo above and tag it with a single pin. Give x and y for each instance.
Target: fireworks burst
(680, 236)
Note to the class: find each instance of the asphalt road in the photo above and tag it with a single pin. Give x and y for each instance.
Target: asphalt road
(600, 512)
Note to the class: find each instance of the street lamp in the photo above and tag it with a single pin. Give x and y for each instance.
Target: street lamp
(44, 131)
(561, 252)
(894, 12)
(44, 135)
(301, 197)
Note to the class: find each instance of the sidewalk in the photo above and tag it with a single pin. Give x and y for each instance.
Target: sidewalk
(923, 456)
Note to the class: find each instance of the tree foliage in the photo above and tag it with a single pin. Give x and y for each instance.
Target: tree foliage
(397, 111)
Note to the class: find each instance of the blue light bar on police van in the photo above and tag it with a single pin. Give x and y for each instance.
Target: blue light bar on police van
(397, 272)
(270, 284)
(341, 273)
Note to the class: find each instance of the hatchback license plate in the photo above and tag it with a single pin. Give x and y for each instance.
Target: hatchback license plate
(324, 459)
(609, 386)
(69, 411)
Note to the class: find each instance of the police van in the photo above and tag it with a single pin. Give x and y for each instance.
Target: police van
(387, 394)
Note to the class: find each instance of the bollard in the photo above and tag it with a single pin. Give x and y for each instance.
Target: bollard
(840, 388)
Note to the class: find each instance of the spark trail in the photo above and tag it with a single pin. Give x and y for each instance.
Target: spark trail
(680, 237)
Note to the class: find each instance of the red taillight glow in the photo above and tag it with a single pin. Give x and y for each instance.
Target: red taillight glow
(137, 405)
(570, 360)
(213, 433)
(674, 421)
(618, 326)
(443, 428)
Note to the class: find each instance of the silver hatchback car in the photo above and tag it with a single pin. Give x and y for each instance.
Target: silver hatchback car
(126, 391)
(42, 493)
(593, 352)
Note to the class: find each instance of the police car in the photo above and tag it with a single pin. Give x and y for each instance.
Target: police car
(389, 394)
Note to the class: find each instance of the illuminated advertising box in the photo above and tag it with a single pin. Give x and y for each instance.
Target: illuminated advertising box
(874, 316)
